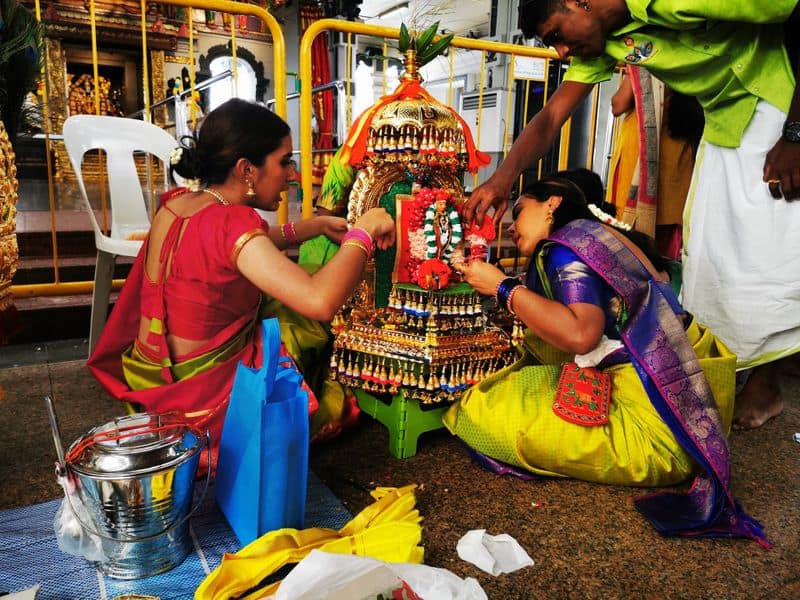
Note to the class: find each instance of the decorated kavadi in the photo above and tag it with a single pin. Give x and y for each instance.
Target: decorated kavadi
(412, 325)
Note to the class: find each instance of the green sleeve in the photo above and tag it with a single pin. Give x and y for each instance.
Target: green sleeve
(677, 13)
(590, 71)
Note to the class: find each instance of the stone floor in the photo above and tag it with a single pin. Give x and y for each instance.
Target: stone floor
(587, 540)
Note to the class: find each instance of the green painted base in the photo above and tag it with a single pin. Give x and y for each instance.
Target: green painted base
(404, 419)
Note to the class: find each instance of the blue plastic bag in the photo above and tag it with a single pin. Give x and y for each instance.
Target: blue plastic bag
(262, 470)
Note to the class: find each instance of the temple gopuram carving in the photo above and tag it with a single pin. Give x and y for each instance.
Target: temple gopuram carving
(68, 54)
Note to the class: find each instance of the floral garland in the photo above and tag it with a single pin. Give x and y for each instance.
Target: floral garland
(433, 274)
(441, 204)
(193, 185)
(478, 238)
(608, 219)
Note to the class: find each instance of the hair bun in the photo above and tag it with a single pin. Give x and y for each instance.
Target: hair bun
(187, 166)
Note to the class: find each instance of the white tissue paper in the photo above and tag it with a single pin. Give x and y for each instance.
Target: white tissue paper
(327, 576)
(494, 554)
(605, 347)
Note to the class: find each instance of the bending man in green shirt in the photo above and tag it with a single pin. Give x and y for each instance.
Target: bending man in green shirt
(740, 258)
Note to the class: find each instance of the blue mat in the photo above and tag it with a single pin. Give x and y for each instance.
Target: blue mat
(29, 554)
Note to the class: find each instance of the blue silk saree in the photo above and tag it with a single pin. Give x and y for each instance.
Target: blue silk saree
(665, 422)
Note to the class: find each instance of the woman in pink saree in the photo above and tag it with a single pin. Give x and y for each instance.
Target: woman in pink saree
(211, 268)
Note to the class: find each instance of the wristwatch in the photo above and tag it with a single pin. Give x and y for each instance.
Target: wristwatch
(791, 131)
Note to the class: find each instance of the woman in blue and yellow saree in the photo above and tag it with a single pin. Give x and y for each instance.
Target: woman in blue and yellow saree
(617, 383)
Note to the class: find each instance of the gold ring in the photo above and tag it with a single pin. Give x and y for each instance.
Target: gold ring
(771, 181)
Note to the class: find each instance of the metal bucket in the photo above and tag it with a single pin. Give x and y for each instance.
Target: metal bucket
(135, 476)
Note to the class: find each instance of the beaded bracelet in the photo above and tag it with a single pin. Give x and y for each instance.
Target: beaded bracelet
(288, 233)
(356, 233)
(504, 289)
(510, 299)
(358, 244)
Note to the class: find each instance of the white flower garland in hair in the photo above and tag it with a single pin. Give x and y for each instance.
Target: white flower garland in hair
(175, 156)
(193, 185)
(608, 219)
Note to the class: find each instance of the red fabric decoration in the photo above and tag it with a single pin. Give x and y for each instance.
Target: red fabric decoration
(485, 231)
(583, 395)
(405, 592)
(322, 101)
(356, 145)
(433, 274)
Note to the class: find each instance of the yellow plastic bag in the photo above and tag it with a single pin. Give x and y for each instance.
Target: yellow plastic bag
(388, 529)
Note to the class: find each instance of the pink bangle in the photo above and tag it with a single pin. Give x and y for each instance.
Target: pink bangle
(510, 300)
(288, 233)
(356, 233)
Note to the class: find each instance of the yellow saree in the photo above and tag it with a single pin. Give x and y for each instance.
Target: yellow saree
(509, 417)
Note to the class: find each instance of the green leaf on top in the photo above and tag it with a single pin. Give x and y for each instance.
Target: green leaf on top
(435, 49)
(405, 38)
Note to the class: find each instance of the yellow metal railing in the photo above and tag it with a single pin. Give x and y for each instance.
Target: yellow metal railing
(305, 76)
(59, 288)
(350, 28)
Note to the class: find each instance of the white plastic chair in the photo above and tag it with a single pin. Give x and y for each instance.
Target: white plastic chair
(119, 138)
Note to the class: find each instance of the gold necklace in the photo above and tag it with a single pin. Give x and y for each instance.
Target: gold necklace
(220, 198)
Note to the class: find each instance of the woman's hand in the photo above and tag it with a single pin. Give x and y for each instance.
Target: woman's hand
(331, 227)
(482, 276)
(379, 224)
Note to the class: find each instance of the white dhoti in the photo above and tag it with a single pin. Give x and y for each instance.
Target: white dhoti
(741, 255)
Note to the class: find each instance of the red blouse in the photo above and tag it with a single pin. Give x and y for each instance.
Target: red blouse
(204, 296)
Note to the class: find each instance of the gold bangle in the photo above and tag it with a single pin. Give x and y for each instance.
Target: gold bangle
(771, 181)
(358, 245)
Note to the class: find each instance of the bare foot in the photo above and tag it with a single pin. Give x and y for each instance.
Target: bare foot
(760, 399)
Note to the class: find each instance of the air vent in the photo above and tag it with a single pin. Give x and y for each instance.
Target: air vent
(471, 102)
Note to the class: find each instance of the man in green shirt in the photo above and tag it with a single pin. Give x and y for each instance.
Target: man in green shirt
(741, 259)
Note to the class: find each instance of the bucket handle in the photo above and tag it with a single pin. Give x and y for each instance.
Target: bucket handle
(61, 472)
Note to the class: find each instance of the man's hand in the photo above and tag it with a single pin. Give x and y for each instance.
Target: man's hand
(486, 195)
(782, 170)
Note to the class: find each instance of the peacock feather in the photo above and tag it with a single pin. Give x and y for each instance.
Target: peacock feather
(337, 180)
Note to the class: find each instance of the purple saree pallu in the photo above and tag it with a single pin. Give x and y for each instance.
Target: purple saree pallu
(676, 385)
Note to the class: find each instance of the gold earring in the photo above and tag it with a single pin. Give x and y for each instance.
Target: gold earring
(251, 190)
(549, 218)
